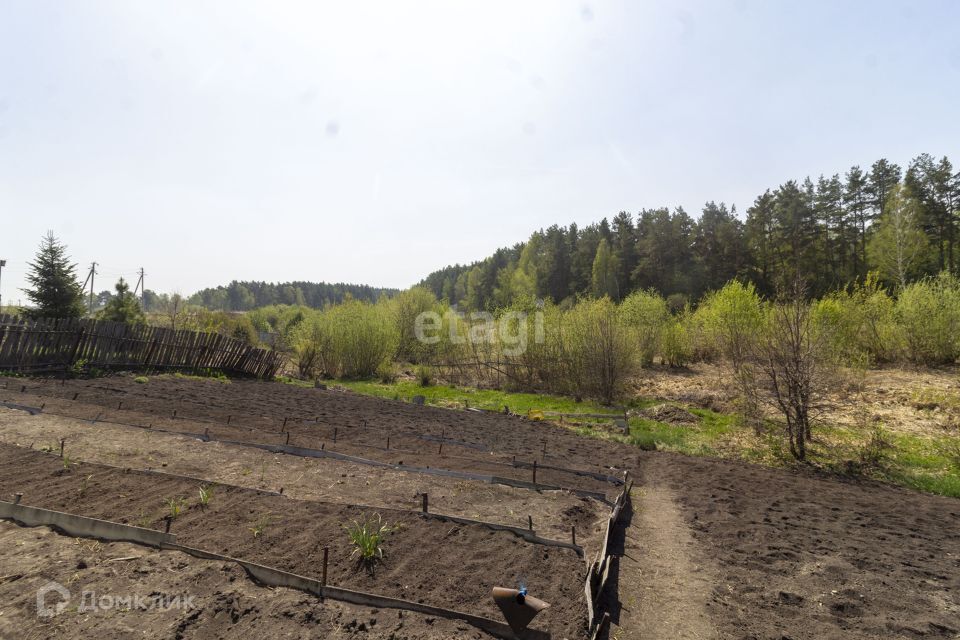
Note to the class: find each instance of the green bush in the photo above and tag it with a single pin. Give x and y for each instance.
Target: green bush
(859, 325)
(387, 372)
(404, 309)
(731, 319)
(675, 343)
(601, 355)
(424, 375)
(928, 312)
(349, 340)
(646, 312)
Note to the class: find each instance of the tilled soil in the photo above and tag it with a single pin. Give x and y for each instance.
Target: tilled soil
(794, 555)
(223, 601)
(783, 554)
(312, 415)
(425, 560)
(553, 513)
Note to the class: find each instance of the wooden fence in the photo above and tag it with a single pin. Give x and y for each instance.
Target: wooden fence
(44, 345)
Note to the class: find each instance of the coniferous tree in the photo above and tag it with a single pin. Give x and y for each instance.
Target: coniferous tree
(884, 177)
(54, 290)
(123, 306)
(858, 205)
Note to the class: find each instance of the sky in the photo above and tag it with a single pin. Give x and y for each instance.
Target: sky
(374, 142)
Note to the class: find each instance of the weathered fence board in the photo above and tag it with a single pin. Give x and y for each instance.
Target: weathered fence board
(57, 345)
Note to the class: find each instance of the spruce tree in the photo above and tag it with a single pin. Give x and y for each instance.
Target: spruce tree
(54, 291)
(123, 307)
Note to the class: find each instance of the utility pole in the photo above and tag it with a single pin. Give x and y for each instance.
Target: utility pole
(90, 274)
(3, 263)
(140, 286)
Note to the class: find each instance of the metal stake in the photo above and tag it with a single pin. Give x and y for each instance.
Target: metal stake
(326, 556)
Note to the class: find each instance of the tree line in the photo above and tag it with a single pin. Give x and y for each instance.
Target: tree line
(244, 296)
(832, 231)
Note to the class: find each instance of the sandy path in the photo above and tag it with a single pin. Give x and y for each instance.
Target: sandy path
(662, 589)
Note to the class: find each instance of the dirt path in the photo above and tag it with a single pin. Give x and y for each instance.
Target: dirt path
(663, 591)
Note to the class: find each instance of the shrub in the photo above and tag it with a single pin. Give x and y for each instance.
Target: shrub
(242, 329)
(928, 312)
(792, 360)
(859, 325)
(731, 319)
(404, 309)
(675, 343)
(387, 372)
(600, 352)
(647, 314)
(349, 340)
(424, 375)
(141, 379)
(871, 454)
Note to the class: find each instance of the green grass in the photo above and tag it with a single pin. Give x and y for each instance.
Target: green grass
(456, 397)
(205, 374)
(915, 461)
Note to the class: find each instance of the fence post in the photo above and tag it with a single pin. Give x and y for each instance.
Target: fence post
(75, 350)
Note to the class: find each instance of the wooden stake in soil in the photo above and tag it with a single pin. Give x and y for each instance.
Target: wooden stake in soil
(284, 424)
(76, 395)
(334, 435)
(174, 414)
(17, 497)
(326, 556)
(119, 405)
(426, 503)
(530, 523)
(288, 437)
(229, 418)
(534, 472)
(169, 521)
(442, 436)
(388, 443)
(62, 441)
(573, 534)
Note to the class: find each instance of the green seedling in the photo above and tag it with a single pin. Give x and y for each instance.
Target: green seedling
(83, 485)
(367, 538)
(175, 507)
(206, 492)
(260, 526)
